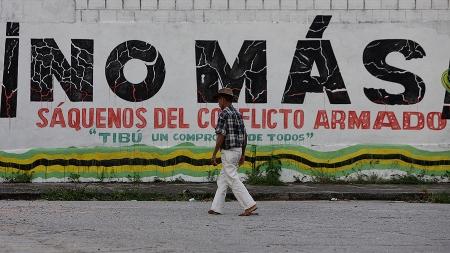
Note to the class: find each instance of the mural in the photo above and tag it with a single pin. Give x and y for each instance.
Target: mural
(340, 101)
(117, 164)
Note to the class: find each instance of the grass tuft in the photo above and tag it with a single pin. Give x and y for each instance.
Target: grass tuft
(20, 177)
(267, 173)
(443, 198)
(86, 195)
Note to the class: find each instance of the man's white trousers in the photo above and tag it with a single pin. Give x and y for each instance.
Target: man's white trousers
(229, 177)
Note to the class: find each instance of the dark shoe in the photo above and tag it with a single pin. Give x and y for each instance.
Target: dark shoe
(249, 211)
(213, 212)
(248, 214)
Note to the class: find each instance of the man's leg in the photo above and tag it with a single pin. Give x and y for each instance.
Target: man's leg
(230, 162)
(221, 193)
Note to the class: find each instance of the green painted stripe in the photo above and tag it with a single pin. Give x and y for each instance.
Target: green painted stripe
(365, 167)
(90, 150)
(189, 172)
(202, 150)
(349, 150)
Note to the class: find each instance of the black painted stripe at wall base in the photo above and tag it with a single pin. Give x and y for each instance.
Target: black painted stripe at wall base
(203, 162)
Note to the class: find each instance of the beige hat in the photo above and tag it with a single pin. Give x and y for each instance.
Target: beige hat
(224, 91)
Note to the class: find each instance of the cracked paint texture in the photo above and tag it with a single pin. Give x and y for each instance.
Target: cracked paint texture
(374, 59)
(318, 26)
(329, 80)
(9, 86)
(249, 70)
(114, 71)
(12, 29)
(47, 61)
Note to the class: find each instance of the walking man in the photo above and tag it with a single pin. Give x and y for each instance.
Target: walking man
(231, 141)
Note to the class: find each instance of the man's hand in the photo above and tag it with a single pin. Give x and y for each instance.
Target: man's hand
(214, 160)
(242, 160)
(219, 141)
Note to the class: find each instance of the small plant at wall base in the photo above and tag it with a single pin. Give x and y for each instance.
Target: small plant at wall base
(74, 178)
(157, 180)
(178, 180)
(446, 175)
(135, 178)
(407, 179)
(102, 176)
(267, 173)
(299, 180)
(20, 177)
(212, 175)
(365, 179)
(112, 177)
(320, 177)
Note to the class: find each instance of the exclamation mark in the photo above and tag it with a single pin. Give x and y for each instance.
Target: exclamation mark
(8, 106)
(446, 83)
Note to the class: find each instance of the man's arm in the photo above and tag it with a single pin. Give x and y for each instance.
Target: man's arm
(220, 136)
(244, 145)
(219, 142)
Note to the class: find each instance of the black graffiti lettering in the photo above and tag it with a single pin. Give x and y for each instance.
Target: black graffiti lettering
(47, 61)
(321, 53)
(156, 72)
(249, 70)
(300, 80)
(318, 26)
(12, 29)
(446, 109)
(374, 59)
(8, 106)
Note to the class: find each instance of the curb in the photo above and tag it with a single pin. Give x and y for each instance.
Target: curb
(207, 196)
(206, 191)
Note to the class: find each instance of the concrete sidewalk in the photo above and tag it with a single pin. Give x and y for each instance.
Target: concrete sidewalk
(205, 191)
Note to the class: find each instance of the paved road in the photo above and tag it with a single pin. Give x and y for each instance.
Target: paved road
(308, 226)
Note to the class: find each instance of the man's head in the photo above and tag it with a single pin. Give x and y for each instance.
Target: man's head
(225, 97)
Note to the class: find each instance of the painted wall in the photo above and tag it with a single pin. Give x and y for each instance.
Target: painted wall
(108, 89)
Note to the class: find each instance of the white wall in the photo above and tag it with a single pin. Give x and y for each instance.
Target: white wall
(224, 11)
(173, 26)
